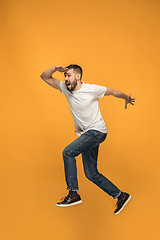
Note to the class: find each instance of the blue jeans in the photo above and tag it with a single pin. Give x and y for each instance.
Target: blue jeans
(88, 145)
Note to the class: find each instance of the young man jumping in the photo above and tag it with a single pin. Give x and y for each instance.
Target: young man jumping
(91, 129)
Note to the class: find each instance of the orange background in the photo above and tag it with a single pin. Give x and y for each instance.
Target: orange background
(117, 45)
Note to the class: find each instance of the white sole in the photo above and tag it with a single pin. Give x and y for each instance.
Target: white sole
(68, 205)
(124, 205)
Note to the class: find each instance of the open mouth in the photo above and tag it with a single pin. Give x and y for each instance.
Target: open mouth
(67, 84)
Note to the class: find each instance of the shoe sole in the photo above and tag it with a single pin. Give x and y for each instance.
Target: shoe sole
(68, 205)
(124, 205)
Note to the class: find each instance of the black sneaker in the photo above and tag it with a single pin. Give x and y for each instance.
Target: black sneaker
(69, 201)
(121, 203)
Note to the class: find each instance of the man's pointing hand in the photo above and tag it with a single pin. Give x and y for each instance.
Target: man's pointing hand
(129, 100)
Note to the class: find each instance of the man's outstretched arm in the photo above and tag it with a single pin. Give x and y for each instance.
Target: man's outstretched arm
(119, 94)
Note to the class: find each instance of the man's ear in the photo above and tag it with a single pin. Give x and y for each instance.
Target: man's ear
(78, 75)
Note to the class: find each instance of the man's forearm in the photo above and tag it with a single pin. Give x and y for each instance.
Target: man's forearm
(119, 94)
(48, 73)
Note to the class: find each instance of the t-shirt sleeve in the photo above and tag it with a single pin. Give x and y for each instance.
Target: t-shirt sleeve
(99, 91)
(62, 87)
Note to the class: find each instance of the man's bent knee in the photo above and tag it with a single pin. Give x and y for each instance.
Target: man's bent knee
(65, 152)
(68, 152)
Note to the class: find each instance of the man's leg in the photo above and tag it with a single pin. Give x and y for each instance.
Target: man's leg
(89, 158)
(90, 168)
(81, 144)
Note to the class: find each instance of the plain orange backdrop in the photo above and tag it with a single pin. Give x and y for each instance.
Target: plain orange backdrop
(117, 45)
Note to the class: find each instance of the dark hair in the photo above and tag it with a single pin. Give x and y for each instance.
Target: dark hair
(77, 68)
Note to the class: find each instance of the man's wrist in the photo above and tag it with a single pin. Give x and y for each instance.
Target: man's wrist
(127, 97)
(124, 96)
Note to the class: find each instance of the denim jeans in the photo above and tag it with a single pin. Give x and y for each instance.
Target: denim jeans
(88, 145)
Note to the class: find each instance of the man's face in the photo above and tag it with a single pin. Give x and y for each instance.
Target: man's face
(70, 79)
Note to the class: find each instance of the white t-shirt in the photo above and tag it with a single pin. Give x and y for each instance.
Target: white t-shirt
(84, 107)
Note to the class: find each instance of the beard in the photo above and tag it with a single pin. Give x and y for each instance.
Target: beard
(71, 86)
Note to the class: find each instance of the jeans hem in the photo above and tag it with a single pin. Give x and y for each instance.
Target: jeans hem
(72, 189)
(118, 195)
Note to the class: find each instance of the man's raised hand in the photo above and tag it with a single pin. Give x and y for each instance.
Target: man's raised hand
(61, 69)
(129, 100)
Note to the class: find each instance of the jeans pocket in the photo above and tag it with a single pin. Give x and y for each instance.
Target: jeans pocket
(97, 135)
(102, 138)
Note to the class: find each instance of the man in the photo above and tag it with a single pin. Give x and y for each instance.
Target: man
(91, 129)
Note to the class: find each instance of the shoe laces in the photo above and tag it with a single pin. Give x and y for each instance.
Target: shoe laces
(119, 202)
(66, 197)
